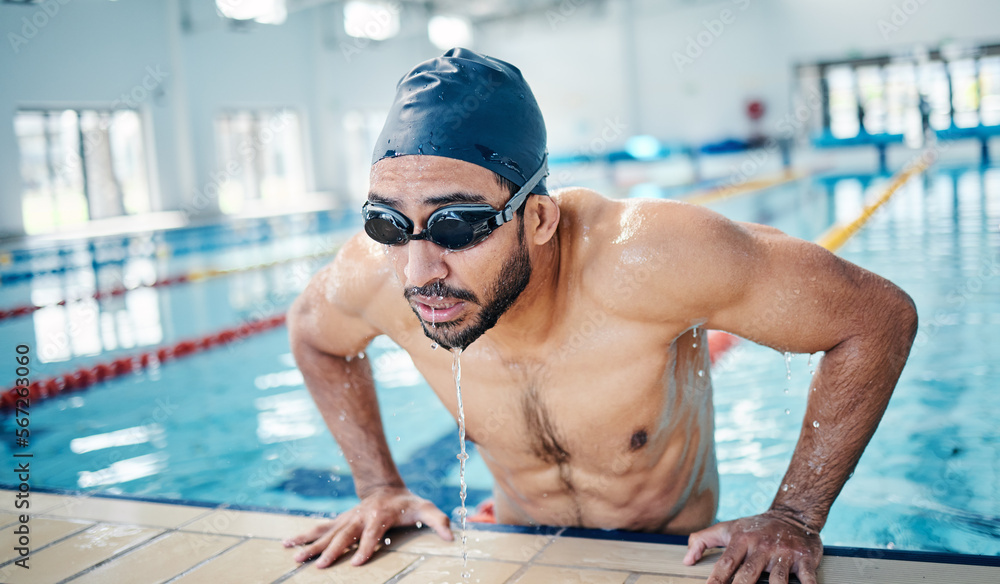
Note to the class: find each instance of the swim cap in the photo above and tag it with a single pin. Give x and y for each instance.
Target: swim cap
(467, 106)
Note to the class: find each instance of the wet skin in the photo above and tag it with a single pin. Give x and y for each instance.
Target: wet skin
(590, 400)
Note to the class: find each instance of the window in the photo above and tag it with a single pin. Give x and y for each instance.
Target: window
(260, 158)
(78, 165)
(361, 130)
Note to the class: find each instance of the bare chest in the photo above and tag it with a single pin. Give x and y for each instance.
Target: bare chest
(600, 396)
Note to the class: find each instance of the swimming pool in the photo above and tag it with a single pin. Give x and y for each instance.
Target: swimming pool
(235, 425)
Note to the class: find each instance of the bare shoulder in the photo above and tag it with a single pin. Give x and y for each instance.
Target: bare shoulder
(656, 259)
(341, 309)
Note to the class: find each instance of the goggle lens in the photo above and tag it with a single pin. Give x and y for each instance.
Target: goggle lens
(451, 232)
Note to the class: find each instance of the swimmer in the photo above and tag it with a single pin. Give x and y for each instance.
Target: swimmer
(582, 323)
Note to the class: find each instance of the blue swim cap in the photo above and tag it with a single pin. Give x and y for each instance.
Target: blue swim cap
(467, 106)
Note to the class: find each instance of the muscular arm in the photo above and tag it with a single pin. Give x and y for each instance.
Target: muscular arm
(794, 296)
(331, 322)
(344, 393)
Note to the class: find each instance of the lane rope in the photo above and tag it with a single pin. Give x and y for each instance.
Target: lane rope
(85, 377)
(714, 194)
(193, 276)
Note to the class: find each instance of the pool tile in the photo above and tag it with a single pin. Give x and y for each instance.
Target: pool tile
(253, 524)
(8, 518)
(629, 556)
(42, 532)
(255, 560)
(669, 580)
(550, 574)
(861, 570)
(77, 553)
(381, 568)
(517, 547)
(124, 511)
(161, 560)
(442, 570)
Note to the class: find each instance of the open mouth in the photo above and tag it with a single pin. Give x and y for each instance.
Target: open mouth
(435, 311)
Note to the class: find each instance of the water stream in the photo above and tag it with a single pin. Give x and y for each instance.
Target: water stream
(462, 456)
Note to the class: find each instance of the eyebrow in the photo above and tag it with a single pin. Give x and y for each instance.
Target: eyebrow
(433, 201)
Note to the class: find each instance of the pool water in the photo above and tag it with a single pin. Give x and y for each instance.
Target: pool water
(236, 425)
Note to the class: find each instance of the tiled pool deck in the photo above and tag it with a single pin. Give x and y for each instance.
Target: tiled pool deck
(84, 539)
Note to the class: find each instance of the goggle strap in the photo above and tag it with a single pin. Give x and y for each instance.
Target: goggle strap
(518, 199)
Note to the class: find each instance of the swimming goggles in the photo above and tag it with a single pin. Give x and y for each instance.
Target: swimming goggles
(453, 227)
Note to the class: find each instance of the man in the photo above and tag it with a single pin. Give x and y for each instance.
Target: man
(582, 323)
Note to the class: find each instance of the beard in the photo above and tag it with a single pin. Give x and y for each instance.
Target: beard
(512, 279)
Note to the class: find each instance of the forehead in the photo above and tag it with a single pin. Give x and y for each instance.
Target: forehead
(415, 177)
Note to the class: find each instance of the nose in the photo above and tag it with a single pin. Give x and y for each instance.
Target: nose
(424, 263)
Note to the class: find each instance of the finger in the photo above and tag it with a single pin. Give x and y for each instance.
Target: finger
(750, 571)
(698, 542)
(339, 545)
(315, 547)
(779, 571)
(806, 574)
(370, 538)
(727, 565)
(438, 521)
(309, 536)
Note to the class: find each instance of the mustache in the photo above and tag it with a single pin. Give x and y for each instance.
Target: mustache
(439, 288)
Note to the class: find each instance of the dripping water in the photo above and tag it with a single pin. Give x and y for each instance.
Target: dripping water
(788, 365)
(462, 456)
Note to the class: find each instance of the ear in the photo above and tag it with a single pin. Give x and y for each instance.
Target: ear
(542, 218)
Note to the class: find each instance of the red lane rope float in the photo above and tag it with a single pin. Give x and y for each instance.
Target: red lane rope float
(30, 308)
(719, 342)
(86, 376)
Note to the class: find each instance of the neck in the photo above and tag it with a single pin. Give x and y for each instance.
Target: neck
(530, 320)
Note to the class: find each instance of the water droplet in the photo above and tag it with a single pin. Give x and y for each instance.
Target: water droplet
(891, 545)
(434, 346)
(387, 541)
(787, 411)
(397, 437)
(419, 524)
(342, 417)
(786, 390)
(810, 361)
(788, 365)
(815, 424)
(784, 487)
(361, 355)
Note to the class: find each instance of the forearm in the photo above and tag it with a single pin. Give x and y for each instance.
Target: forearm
(847, 399)
(344, 392)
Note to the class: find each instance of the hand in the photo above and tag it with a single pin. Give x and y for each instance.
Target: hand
(365, 525)
(770, 541)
